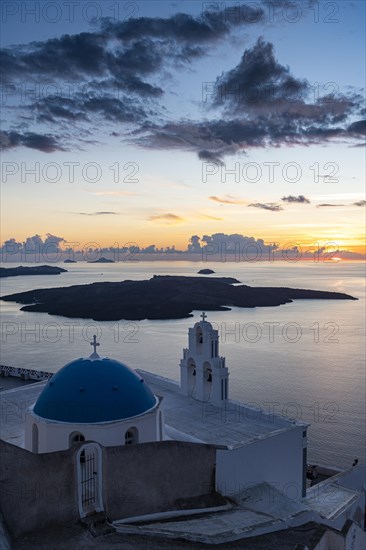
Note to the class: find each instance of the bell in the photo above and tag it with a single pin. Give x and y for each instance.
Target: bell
(209, 379)
(194, 372)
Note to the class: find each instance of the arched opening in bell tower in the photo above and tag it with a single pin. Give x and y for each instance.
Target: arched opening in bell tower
(192, 376)
(199, 339)
(207, 381)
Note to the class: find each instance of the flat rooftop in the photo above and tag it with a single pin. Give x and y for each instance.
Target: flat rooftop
(229, 425)
(185, 418)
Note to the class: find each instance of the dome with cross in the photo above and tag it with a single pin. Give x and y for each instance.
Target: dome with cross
(93, 390)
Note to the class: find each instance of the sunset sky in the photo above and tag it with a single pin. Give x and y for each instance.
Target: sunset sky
(150, 122)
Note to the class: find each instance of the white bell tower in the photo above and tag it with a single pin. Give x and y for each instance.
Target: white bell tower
(203, 374)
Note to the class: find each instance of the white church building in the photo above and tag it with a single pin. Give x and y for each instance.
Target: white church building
(104, 423)
(93, 399)
(102, 400)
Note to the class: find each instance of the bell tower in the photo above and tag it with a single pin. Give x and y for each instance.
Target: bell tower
(203, 374)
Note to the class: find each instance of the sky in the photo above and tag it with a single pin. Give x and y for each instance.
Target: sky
(151, 122)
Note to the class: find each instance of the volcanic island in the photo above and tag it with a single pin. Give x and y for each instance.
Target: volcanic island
(36, 270)
(161, 297)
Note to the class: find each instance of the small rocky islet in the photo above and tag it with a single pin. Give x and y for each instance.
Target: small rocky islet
(205, 272)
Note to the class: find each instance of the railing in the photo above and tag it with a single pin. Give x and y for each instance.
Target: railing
(25, 374)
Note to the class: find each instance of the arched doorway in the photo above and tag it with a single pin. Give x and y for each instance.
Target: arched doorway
(89, 476)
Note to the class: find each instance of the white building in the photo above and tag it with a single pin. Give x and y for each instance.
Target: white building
(82, 436)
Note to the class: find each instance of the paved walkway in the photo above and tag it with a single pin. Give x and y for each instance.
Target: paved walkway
(262, 510)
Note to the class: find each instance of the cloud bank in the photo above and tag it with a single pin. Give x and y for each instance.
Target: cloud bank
(119, 67)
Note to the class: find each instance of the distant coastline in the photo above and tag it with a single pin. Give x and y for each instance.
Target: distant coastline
(31, 270)
(198, 259)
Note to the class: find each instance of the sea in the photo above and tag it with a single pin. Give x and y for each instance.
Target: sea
(304, 360)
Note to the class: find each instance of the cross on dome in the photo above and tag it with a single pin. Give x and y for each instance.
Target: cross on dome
(203, 315)
(94, 343)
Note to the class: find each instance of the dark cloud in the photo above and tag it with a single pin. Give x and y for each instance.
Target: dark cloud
(53, 108)
(119, 64)
(358, 127)
(258, 80)
(277, 114)
(214, 139)
(328, 205)
(114, 110)
(115, 66)
(90, 109)
(212, 25)
(210, 156)
(299, 199)
(124, 51)
(45, 143)
(267, 206)
(259, 84)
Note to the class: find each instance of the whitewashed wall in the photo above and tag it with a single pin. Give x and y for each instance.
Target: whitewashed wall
(55, 436)
(276, 459)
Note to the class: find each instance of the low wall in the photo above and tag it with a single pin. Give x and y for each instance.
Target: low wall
(37, 491)
(151, 477)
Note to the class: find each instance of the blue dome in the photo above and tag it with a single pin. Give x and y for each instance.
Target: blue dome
(91, 391)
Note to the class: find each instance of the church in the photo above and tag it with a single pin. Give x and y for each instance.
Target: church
(130, 444)
(93, 399)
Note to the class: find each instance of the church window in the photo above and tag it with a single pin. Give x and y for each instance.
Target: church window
(76, 437)
(131, 436)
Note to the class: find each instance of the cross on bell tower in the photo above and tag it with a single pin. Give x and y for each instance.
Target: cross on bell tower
(95, 344)
(203, 316)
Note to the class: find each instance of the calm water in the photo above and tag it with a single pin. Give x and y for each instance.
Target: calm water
(304, 360)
